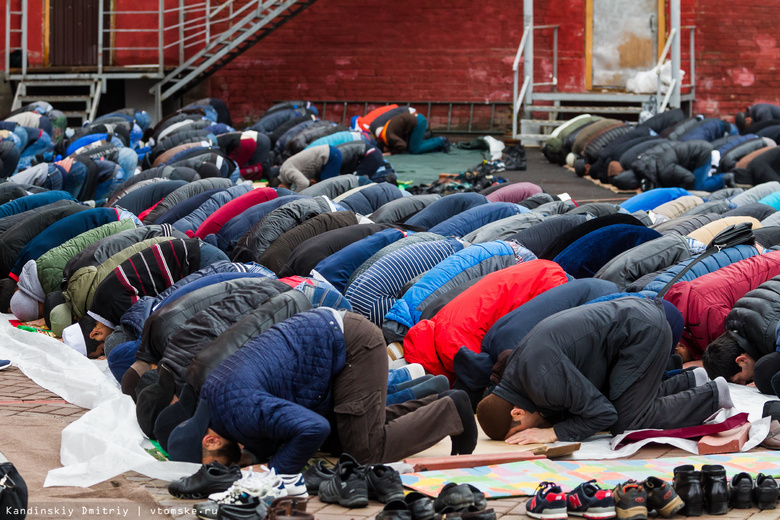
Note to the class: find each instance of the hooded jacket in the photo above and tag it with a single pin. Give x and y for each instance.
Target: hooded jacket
(374, 196)
(136, 202)
(334, 186)
(539, 236)
(516, 192)
(645, 258)
(445, 208)
(705, 301)
(473, 218)
(190, 222)
(672, 165)
(229, 234)
(399, 210)
(599, 350)
(222, 215)
(183, 193)
(467, 318)
(506, 227)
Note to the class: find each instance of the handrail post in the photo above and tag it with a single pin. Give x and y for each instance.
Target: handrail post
(693, 61)
(24, 38)
(7, 36)
(674, 10)
(555, 58)
(181, 32)
(514, 103)
(100, 38)
(528, 64)
(160, 38)
(208, 22)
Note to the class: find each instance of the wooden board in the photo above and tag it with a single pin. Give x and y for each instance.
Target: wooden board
(730, 441)
(468, 461)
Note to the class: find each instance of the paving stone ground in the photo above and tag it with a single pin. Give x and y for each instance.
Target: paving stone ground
(20, 396)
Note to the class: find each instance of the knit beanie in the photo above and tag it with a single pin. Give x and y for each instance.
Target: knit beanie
(676, 321)
(24, 303)
(494, 416)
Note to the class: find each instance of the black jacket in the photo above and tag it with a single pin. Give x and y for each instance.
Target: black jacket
(574, 363)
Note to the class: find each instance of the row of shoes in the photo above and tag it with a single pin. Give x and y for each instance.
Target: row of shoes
(455, 501)
(233, 496)
(351, 484)
(692, 492)
(709, 490)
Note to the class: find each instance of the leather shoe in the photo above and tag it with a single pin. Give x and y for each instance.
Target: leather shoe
(213, 477)
(687, 484)
(395, 510)
(715, 489)
(765, 492)
(421, 506)
(741, 491)
(252, 509)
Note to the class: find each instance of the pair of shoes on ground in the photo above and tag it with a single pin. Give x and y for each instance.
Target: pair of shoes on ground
(628, 501)
(249, 497)
(462, 501)
(744, 493)
(709, 489)
(351, 484)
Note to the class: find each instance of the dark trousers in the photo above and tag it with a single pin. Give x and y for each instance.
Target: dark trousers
(674, 403)
(367, 429)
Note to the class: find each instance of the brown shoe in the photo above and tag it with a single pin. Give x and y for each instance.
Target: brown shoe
(772, 440)
(283, 508)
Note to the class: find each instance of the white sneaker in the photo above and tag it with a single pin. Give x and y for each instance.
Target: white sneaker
(292, 486)
(256, 484)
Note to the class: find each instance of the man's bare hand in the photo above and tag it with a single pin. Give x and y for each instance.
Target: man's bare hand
(533, 436)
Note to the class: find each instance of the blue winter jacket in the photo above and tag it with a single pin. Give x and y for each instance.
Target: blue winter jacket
(272, 395)
(445, 208)
(474, 218)
(652, 199)
(338, 267)
(708, 130)
(193, 221)
(29, 202)
(371, 198)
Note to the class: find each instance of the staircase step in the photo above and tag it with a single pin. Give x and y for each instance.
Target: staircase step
(543, 137)
(55, 99)
(75, 113)
(584, 110)
(543, 122)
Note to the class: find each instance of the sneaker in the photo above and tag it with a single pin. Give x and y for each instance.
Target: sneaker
(4, 363)
(315, 475)
(292, 486)
(588, 500)
(210, 478)
(384, 484)
(630, 501)
(765, 492)
(446, 145)
(548, 503)
(348, 486)
(662, 497)
(253, 509)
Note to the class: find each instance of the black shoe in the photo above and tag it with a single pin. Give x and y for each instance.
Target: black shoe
(421, 506)
(472, 513)
(395, 510)
(210, 478)
(253, 509)
(348, 486)
(765, 492)
(662, 497)
(446, 145)
(715, 489)
(741, 491)
(384, 484)
(454, 497)
(687, 484)
(315, 475)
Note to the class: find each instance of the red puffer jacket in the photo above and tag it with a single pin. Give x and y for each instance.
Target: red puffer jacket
(467, 318)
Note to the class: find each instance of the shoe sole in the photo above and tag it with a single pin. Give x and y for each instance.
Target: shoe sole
(672, 507)
(718, 508)
(555, 514)
(5, 366)
(632, 513)
(597, 513)
(351, 503)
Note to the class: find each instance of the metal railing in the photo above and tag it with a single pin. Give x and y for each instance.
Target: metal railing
(341, 113)
(675, 85)
(518, 98)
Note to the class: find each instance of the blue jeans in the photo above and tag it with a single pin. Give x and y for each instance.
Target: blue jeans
(705, 181)
(333, 167)
(417, 141)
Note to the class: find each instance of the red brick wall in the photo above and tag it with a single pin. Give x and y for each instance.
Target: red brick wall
(462, 50)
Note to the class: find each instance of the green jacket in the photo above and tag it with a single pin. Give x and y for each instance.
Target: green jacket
(51, 263)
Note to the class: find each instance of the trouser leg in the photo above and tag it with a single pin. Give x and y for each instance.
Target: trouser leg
(678, 383)
(645, 404)
(418, 143)
(367, 429)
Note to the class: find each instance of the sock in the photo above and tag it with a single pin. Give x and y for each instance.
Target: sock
(416, 370)
(701, 376)
(409, 384)
(434, 385)
(465, 442)
(724, 395)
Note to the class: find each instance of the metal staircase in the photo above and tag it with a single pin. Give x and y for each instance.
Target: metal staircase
(241, 28)
(81, 98)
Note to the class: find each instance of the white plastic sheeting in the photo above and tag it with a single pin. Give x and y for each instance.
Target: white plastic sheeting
(107, 440)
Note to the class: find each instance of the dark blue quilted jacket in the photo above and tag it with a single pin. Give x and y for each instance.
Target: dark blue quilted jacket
(272, 394)
(369, 199)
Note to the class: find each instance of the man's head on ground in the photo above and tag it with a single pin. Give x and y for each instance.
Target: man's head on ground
(194, 441)
(27, 301)
(725, 358)
(500, 419)
(682, 350)
(95, 334)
